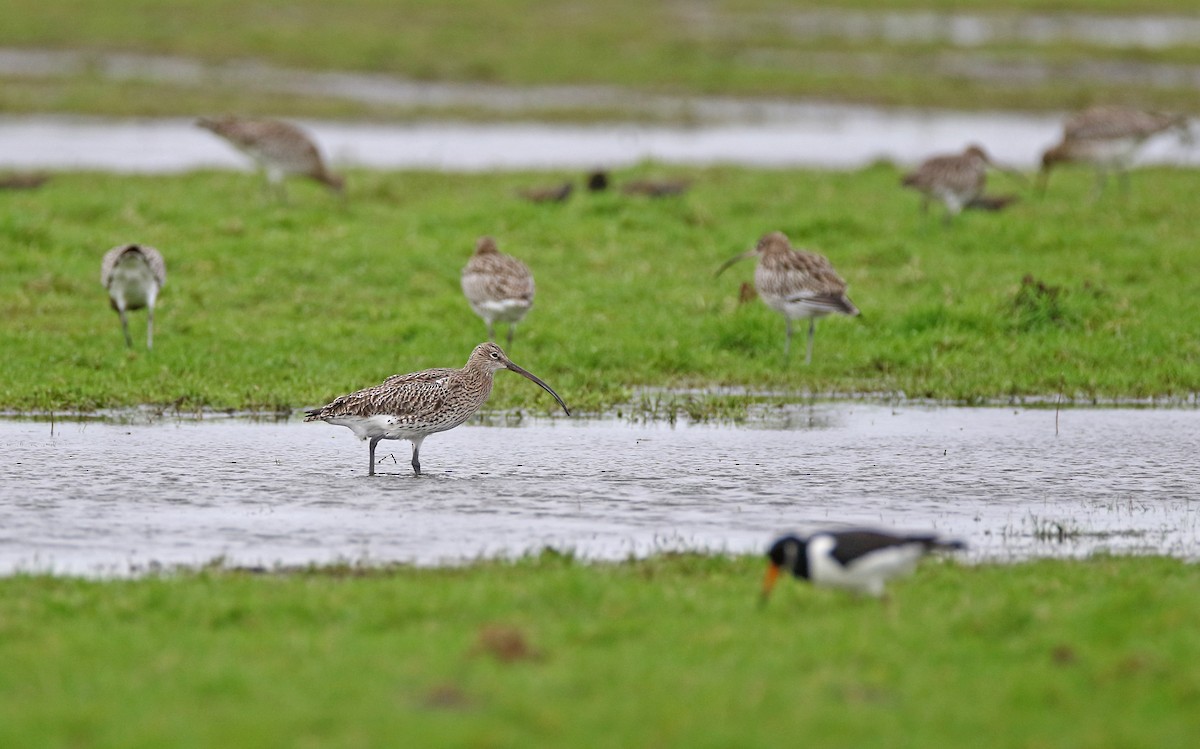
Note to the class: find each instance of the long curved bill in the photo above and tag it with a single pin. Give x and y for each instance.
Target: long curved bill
(544, 386)
(734, 259)
(1013, 174)
(769, 581)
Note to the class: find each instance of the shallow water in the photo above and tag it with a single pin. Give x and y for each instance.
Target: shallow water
(104, 498)
(823, 136)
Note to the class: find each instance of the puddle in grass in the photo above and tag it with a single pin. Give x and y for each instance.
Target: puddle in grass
(106, 498)
(823, 136)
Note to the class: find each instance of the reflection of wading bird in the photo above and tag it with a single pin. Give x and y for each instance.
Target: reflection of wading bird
(797, 284)
(498, 286)
(859, 560)
(956, 180)
(133, 275)
(278, 148)
(1107, 138)
(414, 406)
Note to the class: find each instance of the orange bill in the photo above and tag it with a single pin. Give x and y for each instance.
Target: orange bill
(769, 580)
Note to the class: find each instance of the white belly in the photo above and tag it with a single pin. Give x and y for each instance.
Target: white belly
(133, 285)
(866, 574)
(795, 309)
(502, 310)
(1110, 152)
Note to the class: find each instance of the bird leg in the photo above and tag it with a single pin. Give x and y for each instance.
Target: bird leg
(511, 328)
(416, 464)
(491, 332)
(1123, 182)
(125, 327)
(787, 341)
(1101, 182)
(371, 468)
(150, 327)
(812, 328)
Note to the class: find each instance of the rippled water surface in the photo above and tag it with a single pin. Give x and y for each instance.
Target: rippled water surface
(93, 497)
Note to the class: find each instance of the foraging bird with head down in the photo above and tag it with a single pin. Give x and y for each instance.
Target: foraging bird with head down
(278, 148)
(498, 287)
(1108, 138)
(797, 284)
(857, 560)
(957, 180)
(133, 274)
(413, 406)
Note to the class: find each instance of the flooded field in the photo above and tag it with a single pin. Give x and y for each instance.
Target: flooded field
(823, 136)
(112, 498)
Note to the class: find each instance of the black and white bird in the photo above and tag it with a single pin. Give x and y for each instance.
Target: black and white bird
(858, 560)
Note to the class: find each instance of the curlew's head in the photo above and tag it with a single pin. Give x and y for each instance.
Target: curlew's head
(975, 151)
(788, 554)
(775, 243)
(218, 125)
(489, 357)
(485, 245)
(335, 182)
(1051, 157)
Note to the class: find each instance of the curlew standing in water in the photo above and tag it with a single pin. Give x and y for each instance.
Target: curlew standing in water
(858, 560)
(414, 406)
(797, 284)
(499, 287)
(957, 180)
(133, 275)
(1108, 138)
(278, 148)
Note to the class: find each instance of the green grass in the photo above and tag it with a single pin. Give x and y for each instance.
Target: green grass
(671, 651)
(271, 306)
(731, 47)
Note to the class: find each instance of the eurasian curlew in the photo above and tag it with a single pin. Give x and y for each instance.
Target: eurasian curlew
(1108, 138)
(133, 274)
(414, 406)
(499, 287)
(278, 148)
(797, 284)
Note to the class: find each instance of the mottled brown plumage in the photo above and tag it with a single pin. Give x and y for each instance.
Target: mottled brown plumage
(796, 283)
(27, 181)
(556, 194)
(656, 188)
(414, 406)
(955, 179)
(1108, 138)
(133, 275)
(498, 287)
(279, 148)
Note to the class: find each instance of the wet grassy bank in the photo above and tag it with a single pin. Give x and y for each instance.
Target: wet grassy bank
(671, 651)
(275, 307)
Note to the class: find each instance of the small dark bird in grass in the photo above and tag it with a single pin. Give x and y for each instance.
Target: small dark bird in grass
(597, 181)
(547, 194)
(28, 181)
(858, 560)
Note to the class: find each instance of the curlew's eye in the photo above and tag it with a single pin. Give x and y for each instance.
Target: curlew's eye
(495, 355)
